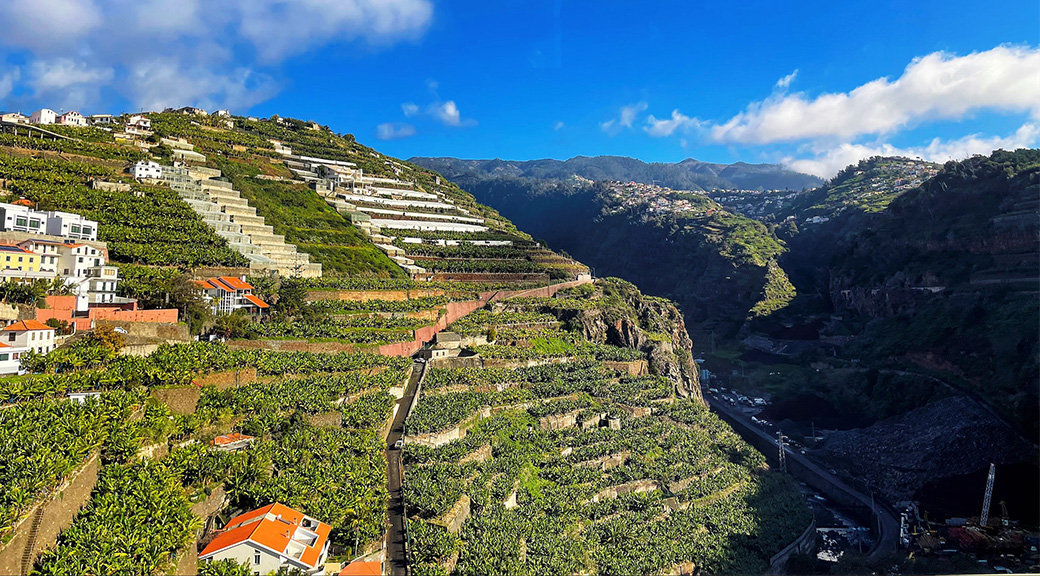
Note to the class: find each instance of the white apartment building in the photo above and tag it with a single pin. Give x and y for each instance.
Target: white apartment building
(43, 116)
(19, 218)
(138, 122)
(71, 225)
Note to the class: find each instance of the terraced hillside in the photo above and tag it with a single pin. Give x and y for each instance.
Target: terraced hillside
(547, 453)
(131, 479)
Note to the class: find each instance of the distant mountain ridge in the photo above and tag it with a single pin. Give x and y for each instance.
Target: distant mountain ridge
(689, 174)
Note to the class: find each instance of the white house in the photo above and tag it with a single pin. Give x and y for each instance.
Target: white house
(222, 113)
(10, 359)
(43, 116)
(30, 335)
(102, 119)
(72, 118)
(71, 226)
(228, 294)
(270, 538)
(138, 122)
(146, 169)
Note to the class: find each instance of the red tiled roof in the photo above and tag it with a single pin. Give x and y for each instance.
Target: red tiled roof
(271, 527)
(260, 303)
(230, 438)
(362, 569)
(23, 202)
(5, 247)
(24, 325)
(205, 284)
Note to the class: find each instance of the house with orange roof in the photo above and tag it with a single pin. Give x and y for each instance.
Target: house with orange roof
(28, 334)
(20, 337)
(232, 442)
(270, 538)
(228, 294)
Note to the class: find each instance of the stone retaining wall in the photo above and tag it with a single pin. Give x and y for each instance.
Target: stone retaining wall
(58, 512)
(180, 399)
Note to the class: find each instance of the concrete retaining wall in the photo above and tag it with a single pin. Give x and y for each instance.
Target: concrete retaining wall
(58, 513)
(805, 543)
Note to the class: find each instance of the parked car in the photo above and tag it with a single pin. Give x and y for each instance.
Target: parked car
(399, 444)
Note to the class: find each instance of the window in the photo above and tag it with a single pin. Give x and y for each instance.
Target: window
(75, 229)
(4, 357)
(87, 230)
(10, 337)
(8, 259)
(256, 557)
(19, 221)
(19, 258)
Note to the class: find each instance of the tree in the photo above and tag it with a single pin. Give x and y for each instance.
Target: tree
(106, 337)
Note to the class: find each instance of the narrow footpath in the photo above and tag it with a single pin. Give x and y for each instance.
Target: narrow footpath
(395, 536)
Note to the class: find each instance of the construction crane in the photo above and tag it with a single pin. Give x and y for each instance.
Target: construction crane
(984, 519)
(1005, 519)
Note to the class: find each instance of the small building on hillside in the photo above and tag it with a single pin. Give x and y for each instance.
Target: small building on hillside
(270, 538)
(138, 122)
(102, 119)
(228, 294)
(43, 116)
(72, 118)
(146, 169)
(14, 118)
(187, 155)
(232, 442)
(28, 335)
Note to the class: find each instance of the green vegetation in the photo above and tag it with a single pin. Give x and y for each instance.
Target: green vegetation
(303, 217)
(148, 225)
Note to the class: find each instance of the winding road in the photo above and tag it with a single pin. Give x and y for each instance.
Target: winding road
(887, 526)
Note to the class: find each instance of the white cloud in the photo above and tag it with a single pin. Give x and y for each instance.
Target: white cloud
(828, 160)
(447, 113)
(279, 29)
(48, 25)
(558, 125)
(629, 113)
(668, 126)
(938, 86)
(394, 130)
(61, 73)
(626, 116)
(166, 82)
(410, 109)
(785, 82)
(8, 81)
(233, 46)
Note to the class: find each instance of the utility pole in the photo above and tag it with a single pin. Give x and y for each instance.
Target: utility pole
(984, 519)
(783, 456)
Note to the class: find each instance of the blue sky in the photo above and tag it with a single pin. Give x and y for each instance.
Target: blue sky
(814, 85)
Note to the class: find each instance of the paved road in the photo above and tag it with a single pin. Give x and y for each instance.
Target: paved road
(395, 537)
(813, 474)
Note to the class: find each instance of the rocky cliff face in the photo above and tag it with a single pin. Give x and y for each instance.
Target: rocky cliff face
(630, 319)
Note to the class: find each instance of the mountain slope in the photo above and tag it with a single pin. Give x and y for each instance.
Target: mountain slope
(686, 175)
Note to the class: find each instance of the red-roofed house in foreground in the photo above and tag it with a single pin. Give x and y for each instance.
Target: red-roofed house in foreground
(272, 537)
(228, 293)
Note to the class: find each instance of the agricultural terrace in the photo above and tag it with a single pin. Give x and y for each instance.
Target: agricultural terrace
(318, 420)
(562, 466)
